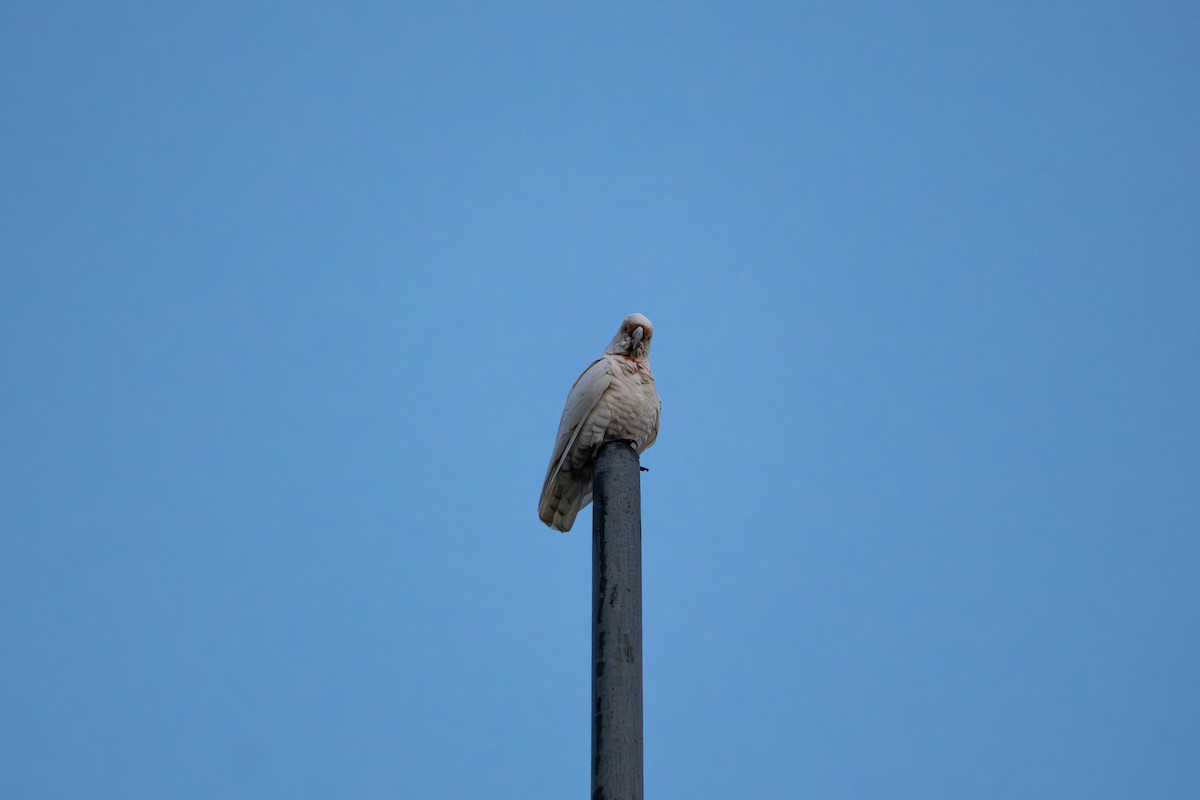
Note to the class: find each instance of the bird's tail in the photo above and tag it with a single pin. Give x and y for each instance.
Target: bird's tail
(564, 494)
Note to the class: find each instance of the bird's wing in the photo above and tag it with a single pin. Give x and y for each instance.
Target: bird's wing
(653, 427)
(561, 477)
(581, 400)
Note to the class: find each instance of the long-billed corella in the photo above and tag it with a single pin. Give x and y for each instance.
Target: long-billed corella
(613, 400)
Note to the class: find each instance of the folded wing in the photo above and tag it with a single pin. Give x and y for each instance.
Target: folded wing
(568, 484)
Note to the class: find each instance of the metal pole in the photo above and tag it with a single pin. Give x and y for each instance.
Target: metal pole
(616, 624)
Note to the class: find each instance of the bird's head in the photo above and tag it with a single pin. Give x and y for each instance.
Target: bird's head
(632, 339)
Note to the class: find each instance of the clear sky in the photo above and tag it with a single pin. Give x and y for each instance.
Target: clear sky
(291, 296)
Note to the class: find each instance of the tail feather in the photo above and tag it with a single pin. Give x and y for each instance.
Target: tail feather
(564, 495)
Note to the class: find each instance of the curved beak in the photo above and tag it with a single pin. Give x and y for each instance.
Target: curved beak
(636, 336)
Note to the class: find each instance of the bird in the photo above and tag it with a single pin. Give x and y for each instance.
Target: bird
(613, 400)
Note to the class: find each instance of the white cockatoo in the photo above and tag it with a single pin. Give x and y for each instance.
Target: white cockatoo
(613, 400)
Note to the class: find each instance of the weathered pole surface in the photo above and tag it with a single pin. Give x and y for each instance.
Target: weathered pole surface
(617, 624)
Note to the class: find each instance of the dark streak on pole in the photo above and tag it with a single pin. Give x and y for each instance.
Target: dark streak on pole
(617, 624)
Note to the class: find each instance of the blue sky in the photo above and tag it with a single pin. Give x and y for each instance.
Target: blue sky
(291, 297)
